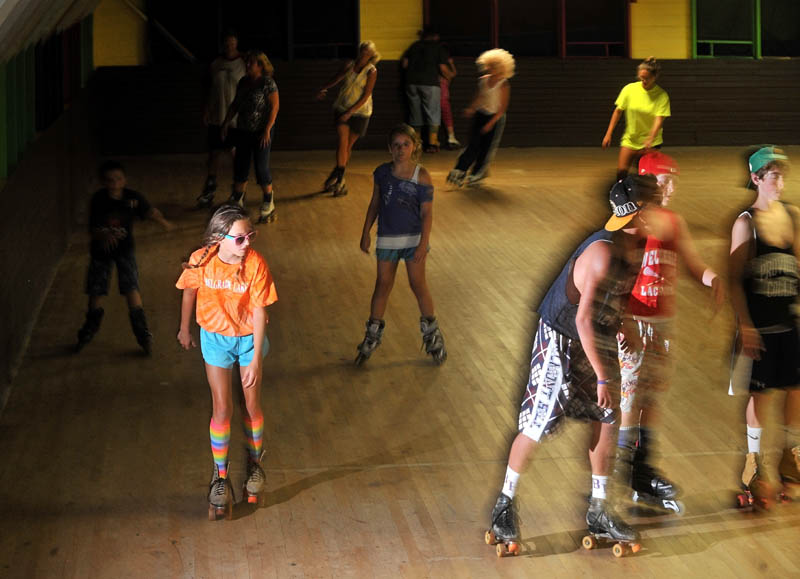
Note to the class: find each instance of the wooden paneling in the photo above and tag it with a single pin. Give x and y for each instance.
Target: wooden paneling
(553, 103)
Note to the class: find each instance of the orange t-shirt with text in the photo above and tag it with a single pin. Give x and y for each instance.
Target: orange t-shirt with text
(226, 297)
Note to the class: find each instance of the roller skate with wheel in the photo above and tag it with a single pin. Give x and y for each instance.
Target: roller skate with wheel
(604, 524)
(504, 532)
(266, 213)
(256, 479)
(236, 198)
(789, 471)
(335, 176)
(456, 177)
(207, 196)
(89, 328)
(372, 340)
(220, 497)
(475, 178)
(651, 488)
(432, 339)
(340, 188)
(757, 490)
(139, 325)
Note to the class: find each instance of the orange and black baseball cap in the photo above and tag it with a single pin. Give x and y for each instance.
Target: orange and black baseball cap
(627, 198)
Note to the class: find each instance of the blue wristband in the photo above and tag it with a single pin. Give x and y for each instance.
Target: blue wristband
(602, 382)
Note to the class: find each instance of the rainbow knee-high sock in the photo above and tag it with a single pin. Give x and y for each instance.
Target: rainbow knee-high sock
(254, 430)
(220, 434)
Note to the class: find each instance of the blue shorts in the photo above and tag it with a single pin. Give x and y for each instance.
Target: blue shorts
(395, 255)
(225, 351)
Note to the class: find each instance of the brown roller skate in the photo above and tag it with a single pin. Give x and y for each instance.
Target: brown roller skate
(220, 497)
(757, 490)
(789, 470)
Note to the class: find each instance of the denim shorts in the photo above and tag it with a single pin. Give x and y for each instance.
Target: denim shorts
(99, 274)
(395, 255)
(225, 351)
(358, 124)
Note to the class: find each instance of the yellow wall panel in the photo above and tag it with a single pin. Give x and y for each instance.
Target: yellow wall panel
(119, 35)
(661, 28)
(391, 24)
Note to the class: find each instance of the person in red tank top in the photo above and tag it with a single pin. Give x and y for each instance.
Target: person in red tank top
(645, 336)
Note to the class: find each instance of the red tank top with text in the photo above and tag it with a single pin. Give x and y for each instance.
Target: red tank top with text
(653, 294)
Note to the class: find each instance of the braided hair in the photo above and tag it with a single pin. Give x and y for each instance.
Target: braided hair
(218, 226)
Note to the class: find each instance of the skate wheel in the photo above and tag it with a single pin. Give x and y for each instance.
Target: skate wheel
(507, 550)
(619, 550)
(228, 511)
(490, 538)
(742, 501)
(212, 513)
(589, 542)
(636, 547)
(360, 359)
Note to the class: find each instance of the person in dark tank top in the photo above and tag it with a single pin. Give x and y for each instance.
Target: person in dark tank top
(764, 285)
(573, 364)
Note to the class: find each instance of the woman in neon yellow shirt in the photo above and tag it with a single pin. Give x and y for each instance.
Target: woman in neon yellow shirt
(645, 105)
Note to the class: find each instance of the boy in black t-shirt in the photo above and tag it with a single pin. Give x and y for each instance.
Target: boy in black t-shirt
(111, 214)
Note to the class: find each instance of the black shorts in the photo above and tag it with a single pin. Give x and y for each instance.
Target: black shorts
(779, 366)
(215, 142)
(357, 124)
(99, 274)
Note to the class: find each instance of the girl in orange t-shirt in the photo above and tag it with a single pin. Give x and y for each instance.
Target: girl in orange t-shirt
(232, 286)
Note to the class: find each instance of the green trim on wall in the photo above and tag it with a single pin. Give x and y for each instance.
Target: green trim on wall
(694, 28)
(755, 41)
(3, 124)
(757, 29)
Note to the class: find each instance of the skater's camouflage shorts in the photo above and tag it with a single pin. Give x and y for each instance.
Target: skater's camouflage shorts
(645, 369)
(561, 383)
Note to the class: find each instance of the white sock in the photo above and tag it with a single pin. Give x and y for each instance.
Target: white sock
(510, 484)
(599, 484)
(753, 439)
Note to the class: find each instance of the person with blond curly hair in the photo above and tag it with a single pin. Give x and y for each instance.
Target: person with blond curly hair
(488, 112)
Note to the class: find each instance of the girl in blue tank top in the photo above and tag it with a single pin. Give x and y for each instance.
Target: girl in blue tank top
(402, 202)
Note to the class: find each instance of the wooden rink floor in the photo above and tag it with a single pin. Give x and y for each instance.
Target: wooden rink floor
(389, 470)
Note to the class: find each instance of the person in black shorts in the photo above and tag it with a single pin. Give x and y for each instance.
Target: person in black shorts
(764, 285)
(112, 211)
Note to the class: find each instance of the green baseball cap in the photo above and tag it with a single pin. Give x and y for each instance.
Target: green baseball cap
(765, 155)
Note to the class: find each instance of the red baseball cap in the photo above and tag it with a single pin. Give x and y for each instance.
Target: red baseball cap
(657, 163)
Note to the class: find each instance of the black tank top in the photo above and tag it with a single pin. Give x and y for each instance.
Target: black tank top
(559, 313)
(771, 282)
